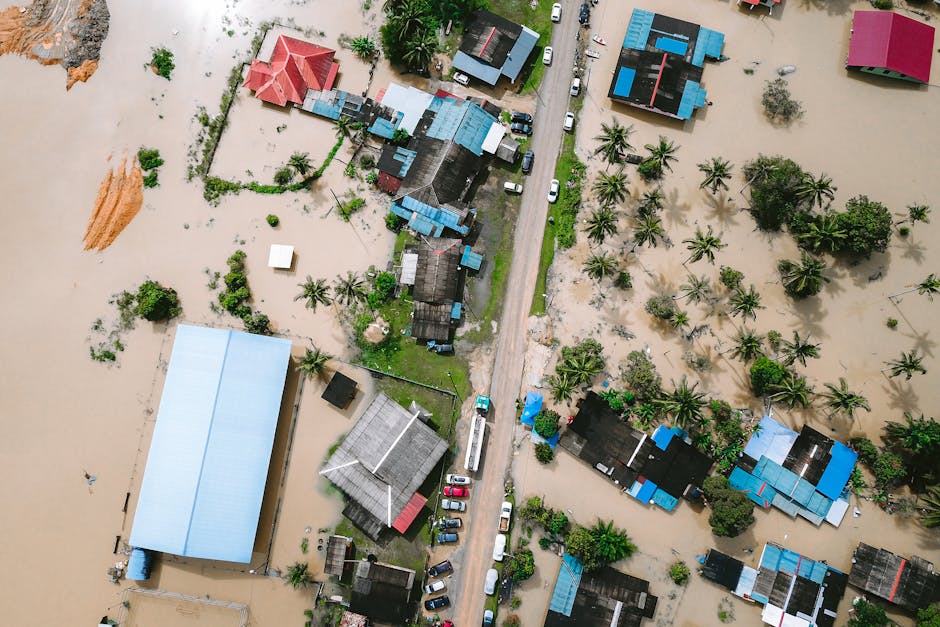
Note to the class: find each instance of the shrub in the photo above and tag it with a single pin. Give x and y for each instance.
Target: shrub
(624, 281)
(766, 373)
(679, 573)
(779, 106)
(155, 302)
(867, 614)
(904, 231)
(367, 161)
(149, 158)
(364, 47)
(372, 178)
(151, 179)
(892, 323)
(350, 207)
(385, 285)
(546, 423)
(867, 451)
(394, 222)
(544, 453)
(400, 137)
(284, 176)
(867, 225)
(521, 565)
(889, 470)
(662, 307)
(639, 373)
(272, 220)
(650, 170)
(884, 5)
(730, 278)
(559, 524)
(161, 62)
(257, 323)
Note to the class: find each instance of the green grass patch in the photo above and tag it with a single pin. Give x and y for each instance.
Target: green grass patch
(399, 551)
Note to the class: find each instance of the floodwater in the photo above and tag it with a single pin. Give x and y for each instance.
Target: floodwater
(872, 137)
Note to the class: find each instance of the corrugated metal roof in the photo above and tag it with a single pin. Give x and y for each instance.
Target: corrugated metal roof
(208, 462)
(838, 471)
(475, 68)
(410, 101)
(519, 54)
(888, 40)
(566, 586)
(411, 511)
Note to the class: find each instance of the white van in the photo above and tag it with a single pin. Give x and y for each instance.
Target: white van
(512, 188)
(575, 87)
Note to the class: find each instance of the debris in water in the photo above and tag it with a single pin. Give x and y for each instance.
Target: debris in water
(786, 69)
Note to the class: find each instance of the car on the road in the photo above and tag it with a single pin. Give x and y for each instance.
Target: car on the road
(575, 87)
(445, 538)
(487, 618)
(489, 585)
(527, 160)
(441, 568)
(456, 491)
(436, 603)
(449, 523)
(512, 188)
(547, 55)
(553, 189)
(556, 12)
(519, 116)
(463, 79)
(585, 13)
(521, 128)
(569, 121)
(454, 506)
(499, 547)
(435, 586)
(458, 480)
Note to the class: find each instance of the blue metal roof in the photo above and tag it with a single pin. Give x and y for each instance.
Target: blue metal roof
(837, 473)
(708, 44)
(665, 500)
(624, 85)
(638, 30)
(520, 52)
(645, 491)
(386, 128)
(477, 69)
(753, 487)
(673, 45)
(693, 96)
(470, 259)
(662, 435)
(566, 587)
(771, 439)
(474, 128)
(208, 462)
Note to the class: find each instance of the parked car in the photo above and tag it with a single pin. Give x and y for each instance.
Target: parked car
(458, 480)
(499, 547)
(520, 127)
(445, 538)
(585, 13)
(553, 189)
(527, 159)
(519, 116)
(556, 12)
(569, 121)
(456, 491)
(512, 188)
(547, 55)
(435, 586)
(441, 568)
(455, 506)
(492, 576)
(463, 79)
(575, 87)
(487, 617)
(449, 523)
(436, 603)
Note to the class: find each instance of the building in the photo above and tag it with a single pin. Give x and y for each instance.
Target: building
(339, 550)
(603, 598)
(293, 67)
(660, 64)
(381, 464)
(376, 118)
(436, 288)
(494, 47)
(382, 592)
(795, 591)
(208, 462)
(802, 474)
(908, 583)
(340, 391)
(889, 44)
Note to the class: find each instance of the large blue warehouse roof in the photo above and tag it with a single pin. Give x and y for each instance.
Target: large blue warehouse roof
(204, 482)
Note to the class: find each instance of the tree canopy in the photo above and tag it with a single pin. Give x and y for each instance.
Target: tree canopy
(732, 512)
(155, 302)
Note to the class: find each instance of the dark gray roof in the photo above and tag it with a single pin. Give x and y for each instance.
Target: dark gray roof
(382, 591)
(442, 170)
(910, 584)
(489, 37)
(431, 322)
(597, 599)
(436, 276)
(337, 549)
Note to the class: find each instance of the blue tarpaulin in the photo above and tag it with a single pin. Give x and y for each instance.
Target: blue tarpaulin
(533, 405)
(470, 259)
(552, 441)
(139, 564)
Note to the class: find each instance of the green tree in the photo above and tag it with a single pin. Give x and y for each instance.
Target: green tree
(907, 364)
(748, 345)
(149, 159)
(639, 373)
(716, 172)
(703, 245)
(364, 47)
(300, 163)
(744, 303)
(257, 323)
(610, 543)
(314, 292)
(798, 350)
(155, 302)
(349, 289)
(841, 399)
(931, 507)
(546, 423)
(816, 191)
(765, 374)
(283, 176)
(731, 511)
(865, 614)
(601, 225)
(792, 390)
(580, 543)
(774, 182)
(559, 524)
(730, 278)
(889, 470)
(161, 62)
(679, 319)
(662, 153)
(297, 575)
(661, 306)
(823, 233)
(679, 573)
(561, 386)
(521, 565)
(696, 288)
(684, 404)
(929, 616)
(918, 213)
(400, 137)
(651, 202)
(420, 50)
(867, 226)
(614, 141)
(313, 363)
(611, 188)
(803, 279)
(544, 453)
(917, 440)
(581, 362)
(649, 229)
(599, 266)
(344, 126)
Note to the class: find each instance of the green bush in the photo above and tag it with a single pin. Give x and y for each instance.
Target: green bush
(889, 470)
(679, 573)
(385, 285)
(867, 225)
(639, 373)
(904, 231)
(155, 302)
(774, 182)
(662, 307)
(350, 207)
(892, 323)
(151, 179)
(367, 161)
(400, 137)
(149, 158)
(257, 323)
(547, 423)
(544, 453)
(779, 106)
(867, 451)
(884, 5)
(161, 61)
(624, 281)
(394, 222)
(521, 565)
(766, 373)
(272, 220)
(372, 178)
(559, 524)
(284, 176)
(868, 614)
(650, 170)
(732, 511)
(730, 278)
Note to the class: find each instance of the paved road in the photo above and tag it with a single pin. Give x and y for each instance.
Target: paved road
(487, 494)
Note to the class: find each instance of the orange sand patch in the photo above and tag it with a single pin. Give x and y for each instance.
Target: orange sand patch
(120, 197)
(81, 73)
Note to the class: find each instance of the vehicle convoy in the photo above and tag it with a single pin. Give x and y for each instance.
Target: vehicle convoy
(505, 516)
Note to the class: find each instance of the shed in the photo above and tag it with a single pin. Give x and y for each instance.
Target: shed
(889, 44)
(603, 598)
(436, 274)
(281, 256)
(409, 268)
(339, 549)
(493, 47)
(431, 322)
(382, 591)
(340, 391)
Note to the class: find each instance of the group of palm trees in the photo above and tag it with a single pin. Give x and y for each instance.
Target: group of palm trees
(347, 290)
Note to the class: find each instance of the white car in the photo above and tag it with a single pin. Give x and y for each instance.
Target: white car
(575, 87)
(463, 79)
(435, 586)
(458, 480)
(556, 12)
(569, 121)
(499, 548)
(547, 55)
(553, 189)
(456, 506)
(512, 188)
(489, 586)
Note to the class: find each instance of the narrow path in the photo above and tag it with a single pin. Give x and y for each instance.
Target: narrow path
(505, 386)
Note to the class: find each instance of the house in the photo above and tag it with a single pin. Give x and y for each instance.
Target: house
(333, 104)
(908, 583)
(603, 598)
(802, 474)
(380, 465)
(889, 44)
(339, 550)
(795, 590)
(660, 64)
(294, 67)
(382, 591)
(435, 288)
(494, 47)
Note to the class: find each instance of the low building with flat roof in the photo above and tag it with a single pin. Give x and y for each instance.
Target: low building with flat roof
(908, 583)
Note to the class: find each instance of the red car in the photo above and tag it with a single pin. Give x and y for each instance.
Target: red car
(456, 491)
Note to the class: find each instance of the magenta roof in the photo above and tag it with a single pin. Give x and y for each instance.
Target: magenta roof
(887, 40)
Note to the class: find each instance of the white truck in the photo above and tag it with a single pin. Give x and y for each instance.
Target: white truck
(505, 516)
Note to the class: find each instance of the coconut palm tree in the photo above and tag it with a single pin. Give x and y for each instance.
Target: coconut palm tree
(662, 153)
(313, 363)
(599, 266)
(798, 350)
(907, 364)
(614, 141)
(349, 289)
(561, 387)
(344, 126)
(703, 245)
(315, 292)
(802, 279)
(696, 288)
(748, 345)
(601, 224)
(931, 507)
(825, 234)
(841, 399)
(716, 171)
(928, 287)
(651, 201)
(815, 191)
(611, 188)
(300, 162)
(679, 319)
(745, 303)
(297, 575)
(611, 544)
(648, 229)
(792, 391)
(684, 404)
(420, 50)
(918, 213)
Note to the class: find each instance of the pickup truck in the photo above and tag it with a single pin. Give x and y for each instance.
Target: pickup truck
(505, 516)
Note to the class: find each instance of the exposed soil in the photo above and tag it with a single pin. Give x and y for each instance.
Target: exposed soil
(120, 197)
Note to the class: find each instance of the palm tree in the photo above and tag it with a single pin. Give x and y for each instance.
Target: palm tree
(793, 390)
(748, 345)
(561, 387)
(703, 245)
(662, 153)
(907, 364)
(825, 233)
(816, 190)
(420, 50)
(931, 507)
(798, 350)
(611, 544)
(344, 126)
(300, 162)
(615, 141)
(745, 303)
(611, 188)
(648, 228)
(918, 213)
(349, 289)
(802, 279)
(844, 400)
(679, 319)
(313, 363)
(684, 404)
(928, 287)
(297, 575)
(315, 292)
(696, 288)
(599, 266)
(651, 201)
(716, 171)
(601, 224)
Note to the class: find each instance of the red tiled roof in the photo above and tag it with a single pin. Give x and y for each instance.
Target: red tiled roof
(295, 67)
(388, 183)
(410, 512)
(884, 39)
